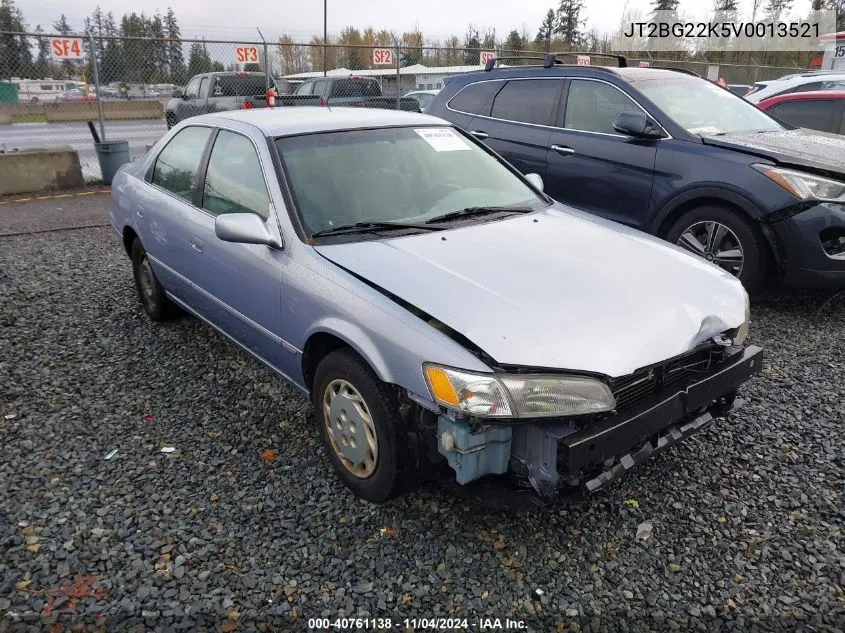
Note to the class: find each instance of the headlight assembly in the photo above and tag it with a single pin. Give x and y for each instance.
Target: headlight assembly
(517, 395)
(805, 186)
(742, 330)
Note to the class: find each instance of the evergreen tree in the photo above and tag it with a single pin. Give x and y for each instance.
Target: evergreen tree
(515, 41)
(472, 47)
(547, 28)
(15, 55)
(775, 9)
(43, 69)
(199, 60)
(113, 64)
(175, 56)
(665, 5)
(568, 21)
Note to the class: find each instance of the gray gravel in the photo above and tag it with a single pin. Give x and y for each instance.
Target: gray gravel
(747, 518)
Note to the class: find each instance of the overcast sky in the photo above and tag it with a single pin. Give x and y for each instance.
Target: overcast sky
(235, 19)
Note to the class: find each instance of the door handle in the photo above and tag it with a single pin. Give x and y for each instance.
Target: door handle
(479, 134)
(562, 150)
(139, 212)
(196, 247)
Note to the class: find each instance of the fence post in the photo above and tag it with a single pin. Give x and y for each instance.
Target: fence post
(97, 86)
(398, 76)
(266, 62)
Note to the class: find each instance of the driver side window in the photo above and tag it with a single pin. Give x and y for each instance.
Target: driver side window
(192, 89)
(591, 106)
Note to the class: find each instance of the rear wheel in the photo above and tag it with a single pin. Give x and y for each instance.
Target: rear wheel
(170, 117)
(359, 424)
(153, 298)
(726, 238)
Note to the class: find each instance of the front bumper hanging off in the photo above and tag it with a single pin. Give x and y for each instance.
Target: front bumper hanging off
(547, 454)
(601, 453)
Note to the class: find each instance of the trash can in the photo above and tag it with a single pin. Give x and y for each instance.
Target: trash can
(111, 155)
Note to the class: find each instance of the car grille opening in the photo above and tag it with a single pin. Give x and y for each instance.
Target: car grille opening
(629, 390)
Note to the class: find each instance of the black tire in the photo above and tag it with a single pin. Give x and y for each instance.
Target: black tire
(750, 239)
(151, 293)
(393, 472)
(170, 117)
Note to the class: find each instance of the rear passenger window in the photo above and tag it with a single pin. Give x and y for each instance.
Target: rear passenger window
(815, 114)
(177, 164)
(528, 101)
(476, 98)
(593, 105)
(234, 182)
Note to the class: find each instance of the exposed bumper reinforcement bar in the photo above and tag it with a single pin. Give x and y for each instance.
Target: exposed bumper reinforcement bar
(671, 436)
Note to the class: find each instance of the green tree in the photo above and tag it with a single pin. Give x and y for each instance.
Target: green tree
(775, 9)
(665, 5)
(547, 28)
(568, 21)
(199, 60)
(350, 37)
(175, 56)
(472, 47)
(43, 68)
(113, 65)
(515, 41)
(15, 55)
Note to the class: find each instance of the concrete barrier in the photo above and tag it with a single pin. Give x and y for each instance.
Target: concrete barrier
(43, 169)
(78, 111)
(112, 110)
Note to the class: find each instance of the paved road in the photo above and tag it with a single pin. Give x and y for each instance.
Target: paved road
(29, 135)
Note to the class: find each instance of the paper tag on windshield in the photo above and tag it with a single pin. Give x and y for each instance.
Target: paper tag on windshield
(442, 139)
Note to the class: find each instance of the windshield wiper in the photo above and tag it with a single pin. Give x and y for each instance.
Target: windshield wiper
(366, 227)
(469, 211)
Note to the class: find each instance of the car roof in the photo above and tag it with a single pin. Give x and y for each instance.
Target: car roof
(287, 121)
(807, 78)
(802, 96)
(627, 73)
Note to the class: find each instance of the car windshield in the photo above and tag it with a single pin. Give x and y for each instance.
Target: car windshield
(407, 175)
(704, 108)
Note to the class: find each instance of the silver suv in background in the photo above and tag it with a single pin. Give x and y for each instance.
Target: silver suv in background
(803, 82)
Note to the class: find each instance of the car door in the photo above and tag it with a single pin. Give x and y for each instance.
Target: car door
(815, 114)
(239, 285)
(519, 124)
(593, 167)
(163, 208)
(202, 98)
(188, 105)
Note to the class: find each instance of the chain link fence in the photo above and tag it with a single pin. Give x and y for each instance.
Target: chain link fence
(51, 85)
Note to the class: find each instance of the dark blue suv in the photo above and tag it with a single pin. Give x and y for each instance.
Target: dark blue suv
(670, 153)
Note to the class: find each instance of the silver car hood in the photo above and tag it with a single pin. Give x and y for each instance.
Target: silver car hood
(555, 289)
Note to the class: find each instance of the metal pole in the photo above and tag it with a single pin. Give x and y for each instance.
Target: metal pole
(398, 77)
(325, 34)
(266, 62)
(97, 86)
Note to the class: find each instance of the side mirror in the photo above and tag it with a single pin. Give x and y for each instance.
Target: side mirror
(244, 228)
(535, 180)
(177, 93)
(636, 124)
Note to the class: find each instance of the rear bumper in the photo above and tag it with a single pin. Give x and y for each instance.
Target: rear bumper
(601, 453)
(803, 237)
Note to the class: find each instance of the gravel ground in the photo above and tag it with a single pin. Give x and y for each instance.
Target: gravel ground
(747, 518)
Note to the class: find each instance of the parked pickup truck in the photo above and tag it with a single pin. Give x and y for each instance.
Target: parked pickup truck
(218, 92)
(364, 92)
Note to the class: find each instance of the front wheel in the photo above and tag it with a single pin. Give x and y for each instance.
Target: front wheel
(723, 237)
(153, 298)
(170, 118)
(359, 424)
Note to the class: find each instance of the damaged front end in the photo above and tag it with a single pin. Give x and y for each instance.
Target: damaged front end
(652, 409)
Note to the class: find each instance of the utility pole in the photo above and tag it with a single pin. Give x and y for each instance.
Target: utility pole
(325, 34)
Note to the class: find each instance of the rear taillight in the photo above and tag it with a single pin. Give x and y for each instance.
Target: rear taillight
(247, 105)
(360, 104)
(323, 102)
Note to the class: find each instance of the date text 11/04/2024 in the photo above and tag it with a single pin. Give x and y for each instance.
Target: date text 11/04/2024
(416, 624)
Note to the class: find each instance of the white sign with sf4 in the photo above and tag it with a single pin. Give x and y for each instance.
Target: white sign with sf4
(66, 47)
(442, 139)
